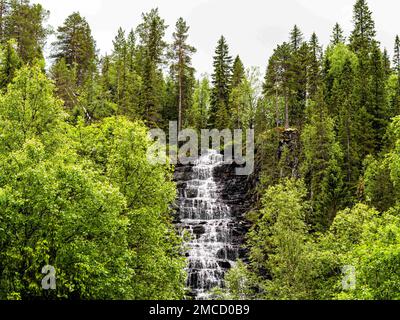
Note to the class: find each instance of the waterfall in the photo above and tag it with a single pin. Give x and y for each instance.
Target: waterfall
(209, 221)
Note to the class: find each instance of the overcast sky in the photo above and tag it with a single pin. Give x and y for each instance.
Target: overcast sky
(252, 27)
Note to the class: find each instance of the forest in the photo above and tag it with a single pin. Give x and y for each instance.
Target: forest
(77, 191)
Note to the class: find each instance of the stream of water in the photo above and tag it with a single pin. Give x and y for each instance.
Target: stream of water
(208, 219)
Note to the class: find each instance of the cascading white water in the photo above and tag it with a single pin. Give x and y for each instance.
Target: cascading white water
(209, 221)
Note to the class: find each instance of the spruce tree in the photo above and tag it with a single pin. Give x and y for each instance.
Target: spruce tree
(151, 54)
(364, 32)
(120, 58)
(277, 83)
(221, 80)
(386, 64)
(298, 83)
(337, 35)
(296, 38)
(396, 66)
(238, 72)
(314, 72)
(322, 165)
(396, 56)
(378, 111)
(350, 124)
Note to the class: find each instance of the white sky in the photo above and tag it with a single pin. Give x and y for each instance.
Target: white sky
(253, 28)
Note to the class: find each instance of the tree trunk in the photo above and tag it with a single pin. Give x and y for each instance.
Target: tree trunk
(277, 108)
(286, 112)
(181, 64)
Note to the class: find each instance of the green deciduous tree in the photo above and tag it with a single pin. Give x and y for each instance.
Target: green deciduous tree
(197, 116)
(277, 241)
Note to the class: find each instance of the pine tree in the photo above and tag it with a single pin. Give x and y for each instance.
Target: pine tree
(181, 68)
(221, 80)
(151, 51)
(337, 35)
(75, 44)
(24, 23)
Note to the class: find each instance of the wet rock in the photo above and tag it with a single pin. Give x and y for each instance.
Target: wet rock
(199, 230)
(224, 264)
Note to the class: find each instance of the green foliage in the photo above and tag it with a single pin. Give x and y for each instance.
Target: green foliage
(277, 240)
(23, 22)
(120, 77)
(197, 116)
(10, 63)
(77, 191)
(243, 100)
(29, 109)
(322, 167)
(58, 212)
(119, 148)
(83, 199)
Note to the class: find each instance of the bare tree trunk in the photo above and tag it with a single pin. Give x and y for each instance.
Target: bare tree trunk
(286, 112)
(277, 108)
(180, 90)
(348, 151)
(180, 103)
